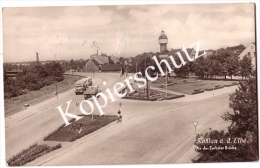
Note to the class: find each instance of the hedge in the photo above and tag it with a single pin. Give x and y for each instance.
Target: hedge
(30, 154)
(173, 97)
(197, 92)
(140, 98)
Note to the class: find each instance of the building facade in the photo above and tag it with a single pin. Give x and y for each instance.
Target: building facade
(249, 51)
(163, 40)
(91, 66)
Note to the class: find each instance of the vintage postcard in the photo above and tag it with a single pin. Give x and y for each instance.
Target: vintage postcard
(130, 84)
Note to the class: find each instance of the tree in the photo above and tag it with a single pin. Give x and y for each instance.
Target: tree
(33, 78)
(245, 67)
(232, 66)
(244, 127)
(201, 67)
(71, 62)
(145, 62)
(165, 52)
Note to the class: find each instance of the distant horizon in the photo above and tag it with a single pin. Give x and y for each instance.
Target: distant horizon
(65, 33)
(110, 55)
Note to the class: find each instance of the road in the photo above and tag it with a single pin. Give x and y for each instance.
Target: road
(150, 131)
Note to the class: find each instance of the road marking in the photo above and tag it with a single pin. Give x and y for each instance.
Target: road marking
(27, 117)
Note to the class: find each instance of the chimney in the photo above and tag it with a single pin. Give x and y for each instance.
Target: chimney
(37, 58)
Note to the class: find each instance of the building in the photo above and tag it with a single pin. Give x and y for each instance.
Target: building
(111, 68)
(113, 59)
(249, 51)
(100, 59)
(163, 40)
(91, 66)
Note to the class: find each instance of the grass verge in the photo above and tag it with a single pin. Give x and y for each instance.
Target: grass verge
(80, 128)
(191, 85)
(30, 154)
(153, 95)
(15, 104)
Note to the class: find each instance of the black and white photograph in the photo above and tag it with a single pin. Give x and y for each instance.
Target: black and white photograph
(130, 84)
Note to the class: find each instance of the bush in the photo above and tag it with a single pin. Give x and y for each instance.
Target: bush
(140, 98)
(80, 128)
(197, 92)
(33, 78)
(174, 97)
(27, 155)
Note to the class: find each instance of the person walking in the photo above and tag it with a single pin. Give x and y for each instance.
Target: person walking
(119, 116)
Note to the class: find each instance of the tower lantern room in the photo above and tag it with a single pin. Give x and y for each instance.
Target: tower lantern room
(163, 40)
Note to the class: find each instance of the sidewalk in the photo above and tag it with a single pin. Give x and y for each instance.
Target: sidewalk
(67, 146)
(191, 153)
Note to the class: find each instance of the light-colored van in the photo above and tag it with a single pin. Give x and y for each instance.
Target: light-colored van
(82, 84)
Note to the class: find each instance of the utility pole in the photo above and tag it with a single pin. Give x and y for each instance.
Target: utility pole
(56, 92)
(166, 81)
(147, 92)
(213, 85)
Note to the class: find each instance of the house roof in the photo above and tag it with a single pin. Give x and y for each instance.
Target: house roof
(101, 59)
(111, 67)
(113, 58)
(94, 61)
(163, 36)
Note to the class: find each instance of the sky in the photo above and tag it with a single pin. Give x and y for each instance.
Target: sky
(65, 33)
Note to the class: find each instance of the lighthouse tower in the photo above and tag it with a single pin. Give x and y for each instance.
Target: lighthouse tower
(163, 40)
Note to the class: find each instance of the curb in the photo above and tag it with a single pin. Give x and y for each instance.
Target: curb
(80, 143)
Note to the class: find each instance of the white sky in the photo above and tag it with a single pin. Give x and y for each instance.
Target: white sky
(63, 33)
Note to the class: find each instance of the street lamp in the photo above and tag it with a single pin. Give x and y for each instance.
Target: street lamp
(166, 81)
(56, 92)
(213, 84)
(120, 104)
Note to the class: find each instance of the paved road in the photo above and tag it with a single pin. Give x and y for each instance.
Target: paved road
(150, 132)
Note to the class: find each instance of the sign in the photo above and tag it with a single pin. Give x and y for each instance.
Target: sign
(195, 123)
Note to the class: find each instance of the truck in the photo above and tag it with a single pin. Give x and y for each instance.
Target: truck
(91, 91)
(82, 84)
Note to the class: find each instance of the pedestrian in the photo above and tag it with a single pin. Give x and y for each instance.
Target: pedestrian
(77, 104)
(119, 116)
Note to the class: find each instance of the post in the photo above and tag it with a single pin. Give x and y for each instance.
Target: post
(213, 87)
(146, 81)
(56, 91)
(195, 123)
(166, 81)
(136, 67)
(93, 72)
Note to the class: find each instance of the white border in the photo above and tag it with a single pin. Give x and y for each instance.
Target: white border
(133, 2)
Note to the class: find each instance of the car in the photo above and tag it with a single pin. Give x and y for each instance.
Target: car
(26, 105)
